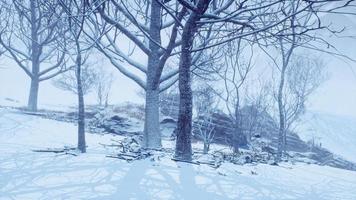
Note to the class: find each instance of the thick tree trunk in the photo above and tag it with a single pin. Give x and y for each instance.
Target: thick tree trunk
(152, 134)
(81, 111)
(33, 94)
(183, 149)
(184, 127)
(183, 143)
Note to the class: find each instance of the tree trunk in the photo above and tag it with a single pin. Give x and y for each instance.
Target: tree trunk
(235, 138)
(100, 96)
(35, 61)
(152, 134)
(237, 126)
(107, 100)
(81, 118)
(183, 149)
(206, 147)
(281, 132)
(183, 143)
(33, 96)
(81, 111)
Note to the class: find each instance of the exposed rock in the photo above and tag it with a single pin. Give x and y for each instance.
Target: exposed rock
(168, 125)
(168, 121)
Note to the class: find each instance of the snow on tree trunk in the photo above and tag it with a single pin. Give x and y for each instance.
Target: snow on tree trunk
(184, 127)
(33, 96)
(183, 143)
(35, 60)
(152, 134)
(183, 149)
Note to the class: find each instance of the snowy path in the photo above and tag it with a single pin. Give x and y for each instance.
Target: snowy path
(27, 175)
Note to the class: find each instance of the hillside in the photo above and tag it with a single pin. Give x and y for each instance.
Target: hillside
(31, 175)
(334, 132)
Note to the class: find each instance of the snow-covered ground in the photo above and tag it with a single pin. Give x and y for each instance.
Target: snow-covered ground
(28, 175)
(9, 102)
(334, 132)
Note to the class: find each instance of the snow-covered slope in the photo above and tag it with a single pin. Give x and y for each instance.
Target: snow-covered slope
(28, 175)
(334, 132)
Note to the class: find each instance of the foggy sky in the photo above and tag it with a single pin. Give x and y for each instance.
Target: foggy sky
(336, 96)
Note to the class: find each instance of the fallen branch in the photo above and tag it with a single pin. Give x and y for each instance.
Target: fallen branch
(211, 164)
(65, 150)
(69, 153)
(130, 156)
(49, 150)
(186, 161)
(111, 145)
(120, 157)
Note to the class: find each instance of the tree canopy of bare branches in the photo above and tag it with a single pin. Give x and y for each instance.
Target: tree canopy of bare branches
(31, 37)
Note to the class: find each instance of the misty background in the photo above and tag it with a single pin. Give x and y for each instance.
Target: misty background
(337, 95)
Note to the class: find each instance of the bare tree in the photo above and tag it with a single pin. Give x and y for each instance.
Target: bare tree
(103, 82)
(142, 23)
(240, 19)
(302, 76)
(183, 143)
(292, 33)
(205, 105)
(32, 41)
(297, 31)
(205, 129)
(76, 14)
(234, 75)
(258, 103)
(305, 74)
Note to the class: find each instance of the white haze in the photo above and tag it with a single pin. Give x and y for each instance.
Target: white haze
(336, 96)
